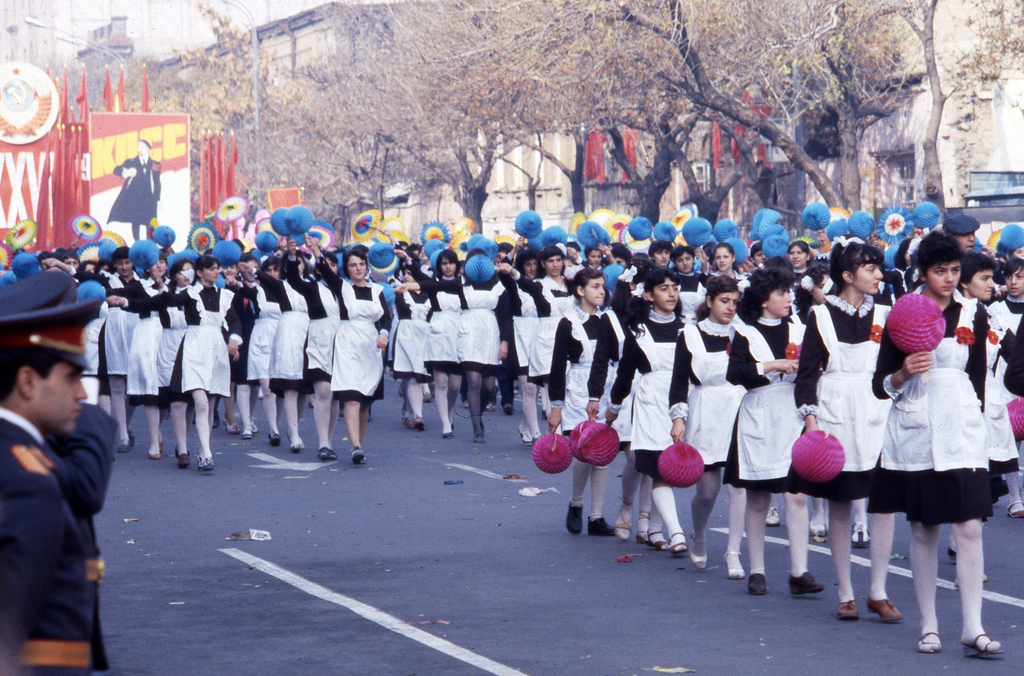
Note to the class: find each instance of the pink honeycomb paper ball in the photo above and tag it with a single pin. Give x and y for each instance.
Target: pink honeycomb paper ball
(818, 457)
(598, 443)
(1016, 411)
(551, 453)
(916, 323)
(681, 465)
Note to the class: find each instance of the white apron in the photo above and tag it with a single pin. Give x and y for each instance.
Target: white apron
(574, 406)
(92, 344)
(938, 424)
(623, 425)
(767, 422)
(320, 336)
(847, 407)
(479, 337)
(170, 342)
(713, 404)
(261, 340)
(143, 358)
(358, 363)
(1001, 443)
(288, 356)
(443, 339)
(652, 425)
(544, 342)
(525, 328)
(204, 355)
(410, 339)
(689, 301)
(117, 335)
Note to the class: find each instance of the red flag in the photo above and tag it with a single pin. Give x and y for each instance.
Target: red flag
(83, 100)
(221, 174)
(145, 90)
(232, 162)
(202, 174)
(108, 94)
(120, 94)
(64, 112)
(593, 166)
(716, 145)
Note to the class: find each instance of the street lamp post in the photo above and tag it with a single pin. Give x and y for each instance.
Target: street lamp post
(71, 39)
(255, 61)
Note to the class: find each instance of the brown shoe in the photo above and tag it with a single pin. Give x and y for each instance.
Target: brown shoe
(885, 610)
(183, 460)
(847, 611)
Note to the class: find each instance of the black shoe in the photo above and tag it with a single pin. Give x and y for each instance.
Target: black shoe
(124, 448)
(479, 439)
(216, 420)
(327, 454)
(357, 457)
(574, 520)
(756, 585)
(507, 408)
(951, 553)
(275, 439)
(599, 526)
(805, 584)
(131, 439)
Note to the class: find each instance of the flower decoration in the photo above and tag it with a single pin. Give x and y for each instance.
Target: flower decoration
(89, 252)
(576, 221)
(601, 216)
(792, 351)
(435, 230)
(5, 256)
(465, 225)
(112, 237)
(394, 227)
(895, 224)
(323, 232)
(685, 213)
(876, 333)
(85, 228)
(964, 335)
(232, 209)
(993, 337)
(635, 245)
(364, 225)
(22, 234)
(202, 238)
(728, 348)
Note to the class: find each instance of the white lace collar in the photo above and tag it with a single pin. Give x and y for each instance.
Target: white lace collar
(768, 322)
(658, 319)
(712, 329)
(844, 306)
(1011, 299)
(579, 314)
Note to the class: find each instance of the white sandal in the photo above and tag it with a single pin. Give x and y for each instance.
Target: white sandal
(643, 525)
(735, 572)
(1015, 513)
(622, 528)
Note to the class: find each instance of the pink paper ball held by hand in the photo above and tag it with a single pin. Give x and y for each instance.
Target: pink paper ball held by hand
(818, 457)
(916, 323)
(681, 465)
(551, 453)
(598, 443)
(1016, 411)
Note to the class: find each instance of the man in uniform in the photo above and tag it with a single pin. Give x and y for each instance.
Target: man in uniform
(46, 598)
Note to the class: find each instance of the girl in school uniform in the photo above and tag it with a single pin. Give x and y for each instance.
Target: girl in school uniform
(833, 394)
(1005, 316)
(116, 341)
(934, 460)
(700, 400)
(288, 375)
(551, 294)
(763, 359)
(322, 309)
(649, 351)
(571, 360)
(611, 341)
(524, 324)
(358, 367)
(143, 379)
(441, 355)
(411, 335)
(261, 343)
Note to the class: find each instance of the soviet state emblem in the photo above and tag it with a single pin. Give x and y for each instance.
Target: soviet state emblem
(28, 103)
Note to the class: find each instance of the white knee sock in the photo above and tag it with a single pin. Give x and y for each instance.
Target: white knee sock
(581, 472)
(665, 502)
(598, 485)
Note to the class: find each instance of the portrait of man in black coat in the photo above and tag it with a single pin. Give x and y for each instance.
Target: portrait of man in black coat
(136, 203)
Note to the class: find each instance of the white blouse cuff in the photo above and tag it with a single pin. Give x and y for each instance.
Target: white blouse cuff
(235, 338)
(679, 410)
(614, 408)
(887, 385)
(558, 404)
(385, 333)
(760, 368)
(806, 410)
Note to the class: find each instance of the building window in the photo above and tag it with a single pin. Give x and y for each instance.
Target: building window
(702, 170)
(905, 170)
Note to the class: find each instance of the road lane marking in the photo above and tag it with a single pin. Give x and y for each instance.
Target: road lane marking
(277, 463)
(481, 472)
(375, 615)
(895, 570)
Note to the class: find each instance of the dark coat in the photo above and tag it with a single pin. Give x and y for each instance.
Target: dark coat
(136, 203)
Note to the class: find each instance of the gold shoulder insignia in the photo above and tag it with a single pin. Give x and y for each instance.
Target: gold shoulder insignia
(32, 459)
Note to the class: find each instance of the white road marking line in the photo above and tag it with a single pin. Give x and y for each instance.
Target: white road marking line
(379, 617)
(481, 472)
(895, 570)
(277, 463)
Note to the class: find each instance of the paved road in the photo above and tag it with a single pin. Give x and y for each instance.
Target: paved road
(493, 573)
